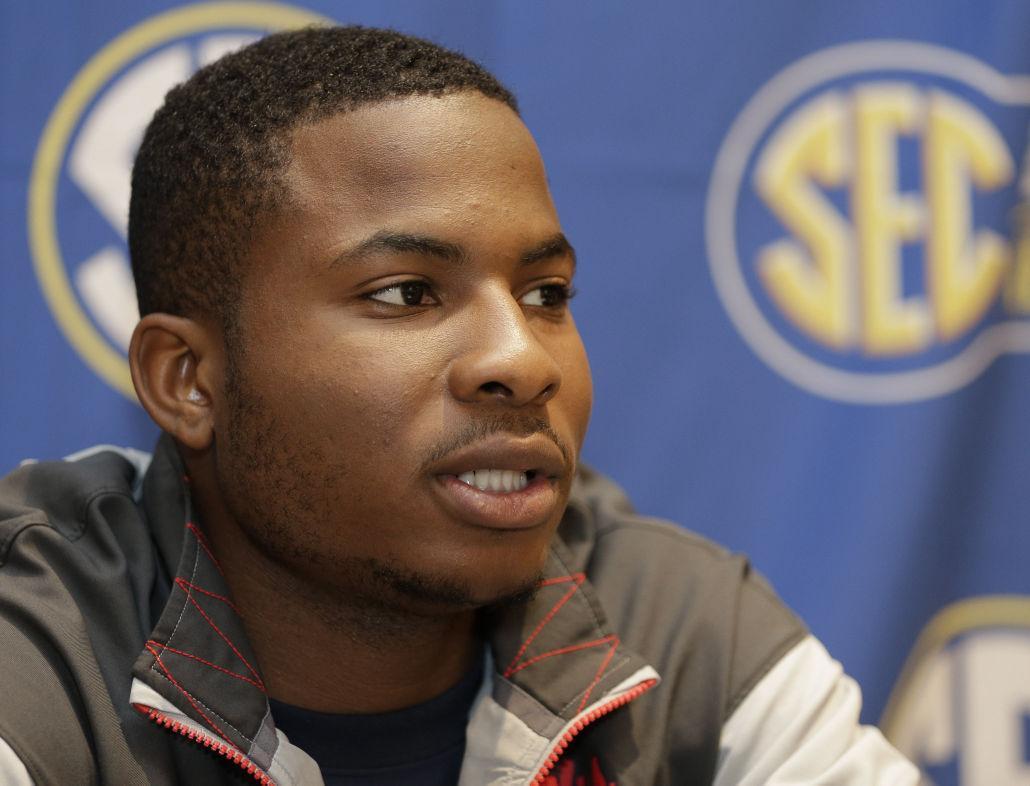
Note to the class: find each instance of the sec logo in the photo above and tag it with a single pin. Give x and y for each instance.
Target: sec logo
(864, 221)
(80, 181)
(961, 707)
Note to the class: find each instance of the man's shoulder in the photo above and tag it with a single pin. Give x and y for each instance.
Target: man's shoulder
(604, 533)
(58, 495)
(675, 595)
(72, 564)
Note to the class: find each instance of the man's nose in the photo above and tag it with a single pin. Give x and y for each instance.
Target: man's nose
(501, 358)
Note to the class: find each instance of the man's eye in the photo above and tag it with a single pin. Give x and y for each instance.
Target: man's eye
(407, 293)
(548, 296)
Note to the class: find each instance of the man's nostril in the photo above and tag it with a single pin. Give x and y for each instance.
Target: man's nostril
(496, 388)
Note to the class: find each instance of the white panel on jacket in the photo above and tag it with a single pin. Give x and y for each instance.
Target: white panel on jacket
(799, 726)
(12, 771)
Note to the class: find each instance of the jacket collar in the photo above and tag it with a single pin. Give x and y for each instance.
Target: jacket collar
(555, 656)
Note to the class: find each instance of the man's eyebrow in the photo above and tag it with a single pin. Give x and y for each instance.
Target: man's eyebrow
(555, 246)
(403, 243)
(407, 243)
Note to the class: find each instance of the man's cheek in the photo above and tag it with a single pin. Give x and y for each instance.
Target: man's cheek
(353, 422)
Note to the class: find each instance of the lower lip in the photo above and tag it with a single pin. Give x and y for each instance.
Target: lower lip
(503, 510)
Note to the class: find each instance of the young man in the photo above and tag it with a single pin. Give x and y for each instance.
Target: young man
(364, 551)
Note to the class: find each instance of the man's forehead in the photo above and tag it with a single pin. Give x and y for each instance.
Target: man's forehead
(460, 174)
(412, 138)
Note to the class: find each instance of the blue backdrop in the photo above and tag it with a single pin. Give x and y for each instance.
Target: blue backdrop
(804, 287)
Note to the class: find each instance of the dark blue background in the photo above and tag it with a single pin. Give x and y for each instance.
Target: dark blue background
(867, 519)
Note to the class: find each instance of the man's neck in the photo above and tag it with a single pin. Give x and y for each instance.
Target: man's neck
(343, 659)
(322, 650)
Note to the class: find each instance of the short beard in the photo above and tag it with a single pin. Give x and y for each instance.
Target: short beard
(376, 599)
(435, 592)
(387, 604)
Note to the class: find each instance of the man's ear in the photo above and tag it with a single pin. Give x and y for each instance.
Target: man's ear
(175, 364)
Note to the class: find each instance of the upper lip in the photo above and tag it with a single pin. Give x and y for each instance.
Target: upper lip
(535, 453)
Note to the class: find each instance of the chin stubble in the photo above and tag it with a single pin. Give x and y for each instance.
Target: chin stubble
(362, 594)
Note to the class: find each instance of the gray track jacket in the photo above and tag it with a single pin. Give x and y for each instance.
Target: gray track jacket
(649, 656)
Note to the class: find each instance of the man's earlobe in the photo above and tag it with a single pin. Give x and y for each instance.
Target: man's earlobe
(175, 365)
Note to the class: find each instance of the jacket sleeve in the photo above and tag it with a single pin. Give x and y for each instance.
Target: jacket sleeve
(799, 725)
(41, 732)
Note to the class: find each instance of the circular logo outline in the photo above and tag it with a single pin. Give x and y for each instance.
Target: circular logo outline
(961, 617)
(721, 206)
(47, 260)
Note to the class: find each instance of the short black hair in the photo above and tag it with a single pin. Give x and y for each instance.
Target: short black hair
(211, 159)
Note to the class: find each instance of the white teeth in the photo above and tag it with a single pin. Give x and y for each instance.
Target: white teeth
(496, 480)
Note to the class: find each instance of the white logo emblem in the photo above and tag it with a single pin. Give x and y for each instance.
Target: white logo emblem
(961, 709)
(79, 191)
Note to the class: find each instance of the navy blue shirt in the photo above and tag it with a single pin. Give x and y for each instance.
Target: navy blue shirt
(417, 746)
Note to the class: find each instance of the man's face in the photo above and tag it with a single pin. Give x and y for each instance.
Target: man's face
(403, 327)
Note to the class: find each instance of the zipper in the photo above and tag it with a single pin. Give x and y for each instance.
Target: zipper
(228, 752)
(585, 721)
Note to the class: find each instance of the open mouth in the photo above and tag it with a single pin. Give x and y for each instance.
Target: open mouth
(498, 481)
(502, 482)
(500, 499)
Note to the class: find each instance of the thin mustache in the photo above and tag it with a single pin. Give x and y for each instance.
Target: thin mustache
(514, 426)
